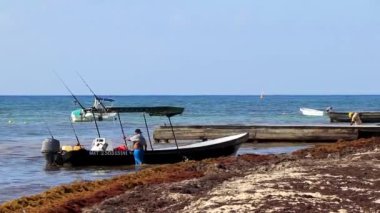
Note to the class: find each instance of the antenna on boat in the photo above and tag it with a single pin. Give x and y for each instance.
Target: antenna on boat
(75, 133)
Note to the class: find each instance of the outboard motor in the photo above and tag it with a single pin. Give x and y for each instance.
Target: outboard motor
(50, 148)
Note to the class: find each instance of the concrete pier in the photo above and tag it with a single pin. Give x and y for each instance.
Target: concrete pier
(268, 133)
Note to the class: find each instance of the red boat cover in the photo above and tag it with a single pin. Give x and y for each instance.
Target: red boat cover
(121, 148)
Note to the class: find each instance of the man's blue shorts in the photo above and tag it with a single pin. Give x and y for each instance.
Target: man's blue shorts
(139, 156)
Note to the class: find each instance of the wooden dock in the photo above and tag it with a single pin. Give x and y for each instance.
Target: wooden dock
(269, 133)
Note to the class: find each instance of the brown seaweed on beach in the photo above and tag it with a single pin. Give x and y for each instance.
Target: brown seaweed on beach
(340, 148)
(73, 197)
(318, 178)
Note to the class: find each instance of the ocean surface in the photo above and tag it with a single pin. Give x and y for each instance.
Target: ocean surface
(25, 122)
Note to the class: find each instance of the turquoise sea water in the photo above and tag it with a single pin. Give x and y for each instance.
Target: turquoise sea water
(24, 121)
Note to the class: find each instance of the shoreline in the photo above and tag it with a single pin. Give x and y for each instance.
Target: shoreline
(247, 182)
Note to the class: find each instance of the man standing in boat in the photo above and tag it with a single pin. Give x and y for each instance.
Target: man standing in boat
(139, 146)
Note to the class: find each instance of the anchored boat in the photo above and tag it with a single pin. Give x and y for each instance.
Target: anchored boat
(366, 117)
(83, 115)
(311, 112)
(96, 113)
(103, 153)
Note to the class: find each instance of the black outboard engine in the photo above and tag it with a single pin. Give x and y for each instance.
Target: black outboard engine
(50, 148)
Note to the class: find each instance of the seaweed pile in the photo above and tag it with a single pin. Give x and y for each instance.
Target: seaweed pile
(340, 176)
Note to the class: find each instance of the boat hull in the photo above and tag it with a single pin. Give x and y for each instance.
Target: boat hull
(85, 157)
(80, 116)
(366, 117)
(311, 112)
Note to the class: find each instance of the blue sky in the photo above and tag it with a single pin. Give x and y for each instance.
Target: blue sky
(190, 47)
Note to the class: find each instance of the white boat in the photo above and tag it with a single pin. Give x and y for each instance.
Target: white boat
(311, 112)
(80, 115)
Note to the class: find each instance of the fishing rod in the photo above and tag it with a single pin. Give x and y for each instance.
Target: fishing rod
(96, 97)
(77, 100)
(122, 130)
(75, 133)
(68, 89)
(47, 126)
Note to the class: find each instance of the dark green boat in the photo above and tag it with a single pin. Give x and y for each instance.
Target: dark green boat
(366, 117)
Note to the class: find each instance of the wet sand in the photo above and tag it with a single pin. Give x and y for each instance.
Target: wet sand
(340, 177)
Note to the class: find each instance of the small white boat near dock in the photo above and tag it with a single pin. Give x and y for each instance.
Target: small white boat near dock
(311, 112)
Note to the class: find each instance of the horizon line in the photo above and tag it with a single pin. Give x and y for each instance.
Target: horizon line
(190, 95)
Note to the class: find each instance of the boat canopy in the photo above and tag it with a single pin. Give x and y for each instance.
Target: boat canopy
(105, 99)
(152, 111)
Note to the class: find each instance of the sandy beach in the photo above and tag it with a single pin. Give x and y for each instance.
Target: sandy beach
(293, 83)
(339, 177)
